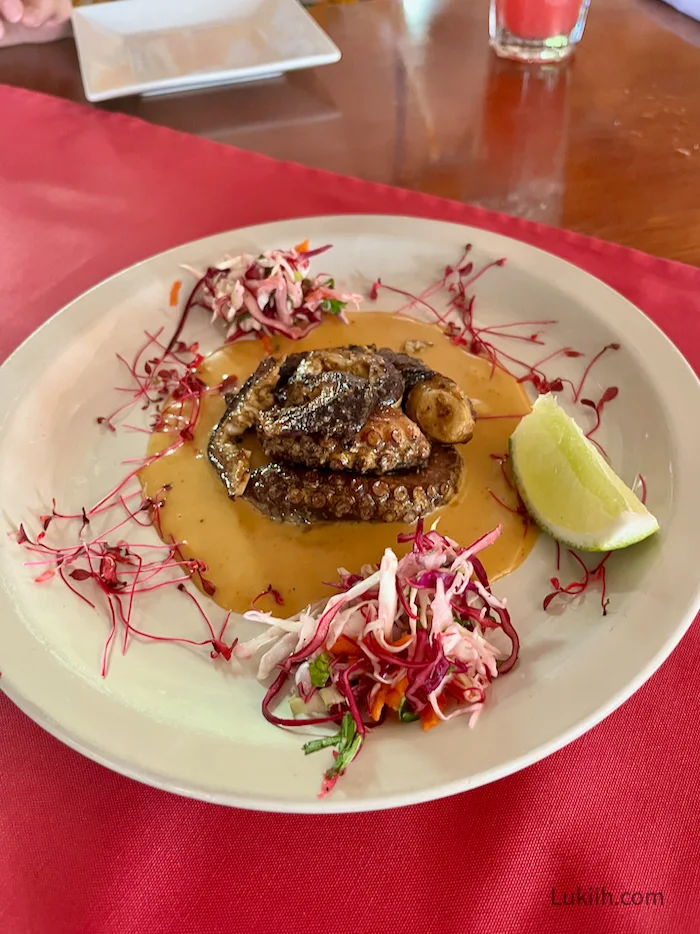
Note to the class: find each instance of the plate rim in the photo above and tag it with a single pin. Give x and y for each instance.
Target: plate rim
(385, 801)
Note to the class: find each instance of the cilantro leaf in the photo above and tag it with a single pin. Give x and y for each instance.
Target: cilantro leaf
(348, 742)
(320, 670)
(342, 739)
(345, 758)
(405, 715)
(315, 744)
(332, 306)
(348, 747)
(347, 731)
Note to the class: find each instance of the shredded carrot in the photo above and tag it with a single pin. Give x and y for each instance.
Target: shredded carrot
(344, 646)
(399, 642)
(302, 247)
(395, 696)
(267, 344)
(378, 702)
(175, 293)
(428, 717)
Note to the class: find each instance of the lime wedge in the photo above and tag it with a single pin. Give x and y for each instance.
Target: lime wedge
(567, 486)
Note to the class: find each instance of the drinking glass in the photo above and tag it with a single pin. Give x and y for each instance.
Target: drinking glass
(536, 30)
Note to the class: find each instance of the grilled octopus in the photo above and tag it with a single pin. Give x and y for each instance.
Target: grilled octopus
(388, 441)
(351, 433)
(296, 494)
(231, 461)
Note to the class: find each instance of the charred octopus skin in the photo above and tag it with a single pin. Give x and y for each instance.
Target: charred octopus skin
(388, 441)
(328, 405)
(231, 460)
(383, 378)
(333, 421)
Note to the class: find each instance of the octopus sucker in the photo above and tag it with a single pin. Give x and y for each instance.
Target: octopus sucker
(350, 432)
(289, 493)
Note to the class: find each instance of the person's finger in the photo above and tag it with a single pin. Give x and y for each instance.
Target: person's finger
(12, 10)
(37, 15)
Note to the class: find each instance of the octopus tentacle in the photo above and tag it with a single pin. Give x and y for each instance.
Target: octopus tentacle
(412, 369)
(330, 420)
(301, 495)
(441, 407)
(332, 404)
(381, 376)
(228, 457)
(388, 441)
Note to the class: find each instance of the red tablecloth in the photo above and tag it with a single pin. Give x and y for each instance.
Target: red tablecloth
(83, 851)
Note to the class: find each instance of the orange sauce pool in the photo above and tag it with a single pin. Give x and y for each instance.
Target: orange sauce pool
(245, 552)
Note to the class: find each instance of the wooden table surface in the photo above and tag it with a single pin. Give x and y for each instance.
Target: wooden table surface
(608, 145)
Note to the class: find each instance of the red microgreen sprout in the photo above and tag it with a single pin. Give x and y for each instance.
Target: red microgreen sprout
(610, 393)
(269, 591)
(123, 571)
(579, 388)
(519, 509)
(643, 489)
(577, 587)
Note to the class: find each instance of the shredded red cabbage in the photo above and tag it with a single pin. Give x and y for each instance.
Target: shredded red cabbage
(269, 294)
(408, 637)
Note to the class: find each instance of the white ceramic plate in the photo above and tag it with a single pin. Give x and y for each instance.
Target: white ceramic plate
(171, 718)
(162, 46)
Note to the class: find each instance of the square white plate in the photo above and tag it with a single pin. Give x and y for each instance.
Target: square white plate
(159, 46)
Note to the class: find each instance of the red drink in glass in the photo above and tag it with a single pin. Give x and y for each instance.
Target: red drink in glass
(537, 19)
(536, 30)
